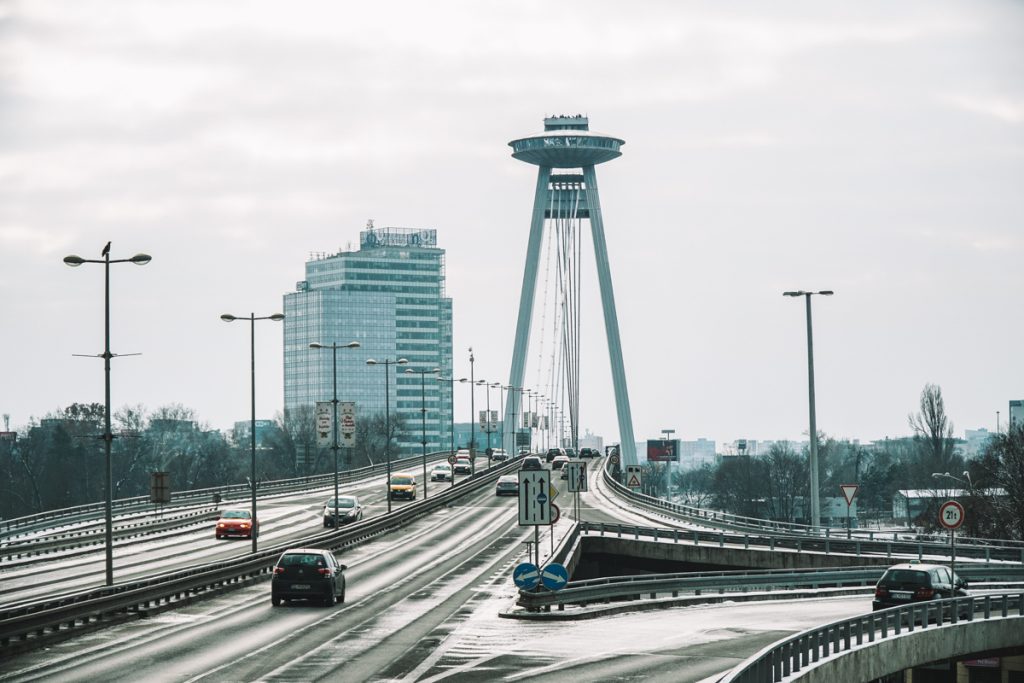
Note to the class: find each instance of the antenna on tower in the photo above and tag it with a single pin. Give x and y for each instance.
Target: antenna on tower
(7, 422)
(369, 224)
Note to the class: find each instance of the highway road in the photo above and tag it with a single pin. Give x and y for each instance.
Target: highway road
(422, 605)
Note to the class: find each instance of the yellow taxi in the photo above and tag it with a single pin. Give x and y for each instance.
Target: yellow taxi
(402, 485)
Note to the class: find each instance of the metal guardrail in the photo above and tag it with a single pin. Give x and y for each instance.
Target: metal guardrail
(90, 536)
(729, 521)
(44, 617)
(15, 525)
(651, 586)
(788, 657)
(827, 546)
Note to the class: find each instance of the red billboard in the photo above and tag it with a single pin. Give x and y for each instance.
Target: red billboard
(663, 450)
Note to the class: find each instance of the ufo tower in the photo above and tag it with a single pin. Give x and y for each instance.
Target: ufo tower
(566, 191)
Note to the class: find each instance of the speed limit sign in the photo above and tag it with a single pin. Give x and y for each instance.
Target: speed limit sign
(951, 514)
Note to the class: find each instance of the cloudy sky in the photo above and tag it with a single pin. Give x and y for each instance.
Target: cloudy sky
(873, 148)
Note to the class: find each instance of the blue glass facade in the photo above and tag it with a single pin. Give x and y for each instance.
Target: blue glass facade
(390, 297)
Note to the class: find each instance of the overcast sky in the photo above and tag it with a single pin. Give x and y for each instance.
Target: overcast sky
(873, 148)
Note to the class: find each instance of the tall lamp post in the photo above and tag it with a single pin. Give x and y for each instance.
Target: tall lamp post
(387, 363)
(472, 415)
(334, 346)
(501, 409)
(815, 501)
(252, 318)
(488, 420)
(423, 418)
(107, 436)
(451, 411)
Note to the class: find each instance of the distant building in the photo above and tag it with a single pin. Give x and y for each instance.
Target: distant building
(390, 297)
(241, 435)
(695, 454)
(975, 441)
(589, 440)
(1016, 412)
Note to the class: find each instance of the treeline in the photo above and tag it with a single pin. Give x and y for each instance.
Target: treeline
(777, 486)
(59, 461)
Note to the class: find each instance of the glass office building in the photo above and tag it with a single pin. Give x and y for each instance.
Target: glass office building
(390, 297)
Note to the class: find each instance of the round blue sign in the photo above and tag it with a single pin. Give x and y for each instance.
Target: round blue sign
(554, 576)
(526, 575)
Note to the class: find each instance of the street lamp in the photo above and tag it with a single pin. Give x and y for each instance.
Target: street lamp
(387, 363)
(501, 409)
(423, 420)
(451, 411)
(334, 409)
(252, 318)
(815, 502)
(488, 420)
(107, 436)
(472, 416)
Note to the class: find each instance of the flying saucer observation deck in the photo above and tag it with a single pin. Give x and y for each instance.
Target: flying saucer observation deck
(566, 148)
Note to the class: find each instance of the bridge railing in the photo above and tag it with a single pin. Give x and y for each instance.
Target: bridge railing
(60, 614)
(654, 585)
(727, 520)
(858, 547)
(789, 657)
(15, 525)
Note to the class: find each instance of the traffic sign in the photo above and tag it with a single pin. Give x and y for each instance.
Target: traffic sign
(534, 497)
(556, 514)
(577, 476)
(451, 459)
(634, 476)
(552, 491)
(849, 492)
(526, 575)
(951, 514)
(613, 459)
(554, 576)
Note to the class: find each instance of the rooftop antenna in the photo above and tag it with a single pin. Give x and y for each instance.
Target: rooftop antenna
(369, 224)
(7, 422)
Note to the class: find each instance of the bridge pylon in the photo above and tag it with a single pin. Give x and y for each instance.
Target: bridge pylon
(566, 190)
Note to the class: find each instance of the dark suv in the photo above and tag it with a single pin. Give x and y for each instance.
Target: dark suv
(554, 453)
(308, 574)
(916, 582)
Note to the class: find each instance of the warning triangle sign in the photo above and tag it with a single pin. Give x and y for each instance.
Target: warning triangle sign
(634, 482)
(849, 492)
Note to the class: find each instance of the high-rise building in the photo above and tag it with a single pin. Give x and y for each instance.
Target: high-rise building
(390, 297)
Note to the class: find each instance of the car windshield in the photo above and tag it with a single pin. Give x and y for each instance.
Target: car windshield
(342, 503)
(302, 560)
(235, 514)
(403, 481)
(906, 576)
(441, 467)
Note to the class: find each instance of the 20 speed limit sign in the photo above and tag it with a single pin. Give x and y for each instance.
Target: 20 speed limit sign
(951, 514)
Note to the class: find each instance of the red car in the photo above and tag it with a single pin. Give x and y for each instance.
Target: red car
(237, 523)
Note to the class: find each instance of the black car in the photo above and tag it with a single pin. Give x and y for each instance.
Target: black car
(308, 574)
(589, 453)
(554, 453)
(348, 510)
(915, 582)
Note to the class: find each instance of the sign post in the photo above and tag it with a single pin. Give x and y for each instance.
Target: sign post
(576, 478)
(951, 516)
(849, 493)
(160, 488)
(535, 503)
(634, 477)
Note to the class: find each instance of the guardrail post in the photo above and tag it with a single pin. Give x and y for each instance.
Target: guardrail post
(827, 552)
(675, 535)
(620, 530)
(799, 545)
(888, 551)
(988, 555)
(920, 552)
(696, 538)
(771, 543)
(721, 540)
(746, 542)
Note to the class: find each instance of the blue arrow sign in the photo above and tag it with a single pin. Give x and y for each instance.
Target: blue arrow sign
(554, 576)
(526, 575)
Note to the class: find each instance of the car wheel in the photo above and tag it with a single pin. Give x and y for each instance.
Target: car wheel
(329, 600)
(218, 536)
(275, 601)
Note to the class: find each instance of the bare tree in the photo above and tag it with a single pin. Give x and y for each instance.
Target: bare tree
(1003, 461)
(934, 433)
